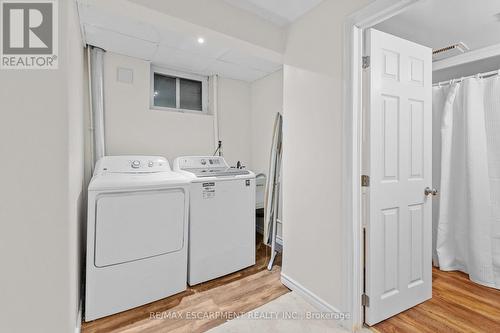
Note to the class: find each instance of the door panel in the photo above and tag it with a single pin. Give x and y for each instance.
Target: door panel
(399, 158)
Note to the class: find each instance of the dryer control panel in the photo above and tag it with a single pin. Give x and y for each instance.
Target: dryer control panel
(132, 164)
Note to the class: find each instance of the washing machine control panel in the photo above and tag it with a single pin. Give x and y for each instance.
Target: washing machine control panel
(201, 162)
(132, 164)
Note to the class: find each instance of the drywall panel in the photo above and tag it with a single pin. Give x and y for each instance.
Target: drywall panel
(133, 128)
(234, 120)
(41, 197)
(77, 109)
(312, 103)
(267, 100)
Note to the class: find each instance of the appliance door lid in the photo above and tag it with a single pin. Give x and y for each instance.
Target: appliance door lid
(117, 181)
(137, 225)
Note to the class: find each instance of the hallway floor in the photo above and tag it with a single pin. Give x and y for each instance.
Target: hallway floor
(457, 305)
(290, 303)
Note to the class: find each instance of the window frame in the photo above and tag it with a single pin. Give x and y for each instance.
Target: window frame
(178, 75)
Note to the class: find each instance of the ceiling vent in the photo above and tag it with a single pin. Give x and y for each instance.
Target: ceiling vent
(449, 51)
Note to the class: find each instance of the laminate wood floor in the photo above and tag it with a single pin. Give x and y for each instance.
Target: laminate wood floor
(457, 305)
(211, 302)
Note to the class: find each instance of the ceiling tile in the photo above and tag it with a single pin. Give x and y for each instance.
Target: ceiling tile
(233, 71)
(279, 12)
(209, 48)
(175, 47)
(119, 43)
(180, 60)
(248, 60)
(124, 25)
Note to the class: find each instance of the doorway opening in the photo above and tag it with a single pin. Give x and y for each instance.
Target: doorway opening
(462, 164)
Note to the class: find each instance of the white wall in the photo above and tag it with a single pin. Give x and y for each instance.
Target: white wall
(41, 179)
(246, 114)
(312, 138)
(234, 120)
(267, 100)
(77, 108)
(133, 128)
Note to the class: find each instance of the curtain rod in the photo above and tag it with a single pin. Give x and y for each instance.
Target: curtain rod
(479, 75)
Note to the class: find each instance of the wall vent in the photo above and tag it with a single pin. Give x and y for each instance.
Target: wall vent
(449, 51)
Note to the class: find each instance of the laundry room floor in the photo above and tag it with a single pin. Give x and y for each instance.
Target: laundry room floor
(203, 306)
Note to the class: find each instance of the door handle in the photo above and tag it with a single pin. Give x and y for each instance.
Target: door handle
(429, 191)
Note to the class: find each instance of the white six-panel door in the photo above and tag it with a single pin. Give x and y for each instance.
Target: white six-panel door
(399, 162)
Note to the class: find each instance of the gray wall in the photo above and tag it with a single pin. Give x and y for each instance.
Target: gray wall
(41, 144)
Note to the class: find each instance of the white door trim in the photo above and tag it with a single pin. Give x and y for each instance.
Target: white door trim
(354, 25)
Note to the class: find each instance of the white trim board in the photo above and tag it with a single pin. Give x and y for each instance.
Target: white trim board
(471, 56)
(352, 276)
(308, 295)
(79, 317)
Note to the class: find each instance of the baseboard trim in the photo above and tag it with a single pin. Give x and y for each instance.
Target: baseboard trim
(79, 319)
(308, 295)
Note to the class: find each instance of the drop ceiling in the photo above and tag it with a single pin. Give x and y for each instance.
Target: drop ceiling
(279, 12)
(439, 23)
(165, 41)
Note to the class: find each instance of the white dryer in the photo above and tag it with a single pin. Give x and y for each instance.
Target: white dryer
(137, 230)
(221, 217)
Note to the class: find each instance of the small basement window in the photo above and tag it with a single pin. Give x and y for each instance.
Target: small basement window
(176, 91)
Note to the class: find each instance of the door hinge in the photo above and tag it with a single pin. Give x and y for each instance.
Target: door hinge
(365, 300)
(366, 62)
(365, 180)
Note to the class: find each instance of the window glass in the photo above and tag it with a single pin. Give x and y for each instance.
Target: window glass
(164, 91)
(190, 94)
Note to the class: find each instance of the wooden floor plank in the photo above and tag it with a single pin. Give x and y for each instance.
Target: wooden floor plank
(457, 305)
(239, 292)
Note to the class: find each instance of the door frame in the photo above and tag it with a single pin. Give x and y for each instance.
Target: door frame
(355, 24)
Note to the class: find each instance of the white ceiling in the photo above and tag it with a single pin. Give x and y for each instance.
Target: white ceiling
(279, 12)
(174, 45)
(439, 23)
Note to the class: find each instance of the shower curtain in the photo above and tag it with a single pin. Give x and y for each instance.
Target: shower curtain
(468, 228)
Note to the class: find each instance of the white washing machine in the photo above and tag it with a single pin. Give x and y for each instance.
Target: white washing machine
(221, 217)
(137, 234)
